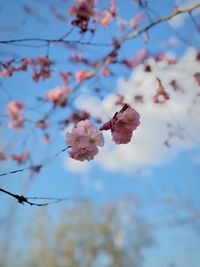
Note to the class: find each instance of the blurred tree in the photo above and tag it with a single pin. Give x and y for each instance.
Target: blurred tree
(91, 236)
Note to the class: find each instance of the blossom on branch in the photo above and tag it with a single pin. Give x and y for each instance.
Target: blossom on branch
(82, 75)
(82, 10)
(83, 140)
(58, 96)
(123, 124)
(14, 110)
(20, 158)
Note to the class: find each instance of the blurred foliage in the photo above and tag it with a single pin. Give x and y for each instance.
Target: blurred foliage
(85, 235)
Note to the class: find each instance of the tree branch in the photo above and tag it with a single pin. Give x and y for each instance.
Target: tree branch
(22, 199)
(36, 168)
(157, 21)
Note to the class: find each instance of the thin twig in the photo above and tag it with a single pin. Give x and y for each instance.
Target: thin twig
(22, 199)
(36, 168)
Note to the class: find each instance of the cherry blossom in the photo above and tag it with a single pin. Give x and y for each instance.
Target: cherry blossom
(136, 21)
(197, 77)
(41, 67)
(14, 109)
(106, 18)
(58, 96)
(161, 95)
(2, 156)
(83, 10)
(17, 123)
(83, 140)
(123, 124)
(82, 75)
(21, 158)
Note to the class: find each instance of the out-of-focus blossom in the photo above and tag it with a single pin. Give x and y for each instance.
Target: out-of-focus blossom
(20, 158)
(136, 21)
(58, 96)
(82, 75)
(83, 10)
(161, 95)
(42, 124)
(105, 72)
(41, 68)
(17, 123)
(106, 18)
(142, 54)
(197, 77)
(2, 156)
(14, 109)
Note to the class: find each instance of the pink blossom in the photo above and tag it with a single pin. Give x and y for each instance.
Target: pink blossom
(83, 140)
(17, 123)
(82, 10)
(58, 96)
(197, 77)
(14, 109)
(44, 62)
(131, 63)
(20, 158)
(142, 54)
(65, 77)
(106, 18)
(105, 72)
(198, 56)
(122, 137)
(42, 124)
(83, 154)
(41, 68)
(161, 95)
(2, 156)
(82, 75)
(123, 124)
(136, 21)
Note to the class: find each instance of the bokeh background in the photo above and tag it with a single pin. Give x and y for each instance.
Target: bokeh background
(134, 205)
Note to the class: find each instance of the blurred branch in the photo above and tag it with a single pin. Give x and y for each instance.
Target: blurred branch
(127, 37)
(36, 168)
(22, 199)
(157, 21)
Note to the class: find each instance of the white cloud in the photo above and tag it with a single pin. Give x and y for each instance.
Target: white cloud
(180, 20)
(76, 166)
(146, 148)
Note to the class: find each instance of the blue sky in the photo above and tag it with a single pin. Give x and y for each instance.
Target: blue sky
(166, 172)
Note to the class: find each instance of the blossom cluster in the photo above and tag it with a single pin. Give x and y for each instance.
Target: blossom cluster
(85, 137)
(123, 124)
(82, 10)
(40, 65)
(14, 110)
(58, 96)
(18, 158)
(83, 140)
